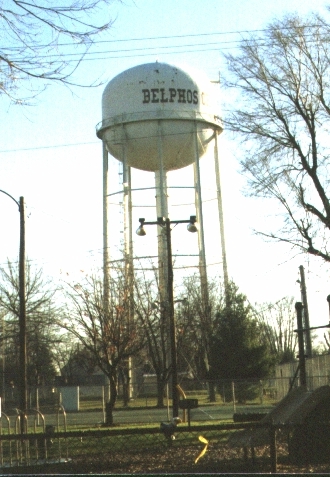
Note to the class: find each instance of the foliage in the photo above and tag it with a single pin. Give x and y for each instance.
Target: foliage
(46, 41)
(282, 116)
(80, 362)
(200, 319)
(237, 351)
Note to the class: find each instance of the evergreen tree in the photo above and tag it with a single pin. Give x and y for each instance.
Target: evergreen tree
(236, 349)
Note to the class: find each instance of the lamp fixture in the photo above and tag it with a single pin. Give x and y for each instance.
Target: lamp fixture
(140, 231)
(161, 221)
(191, 227)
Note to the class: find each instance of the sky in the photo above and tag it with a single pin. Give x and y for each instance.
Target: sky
(50, 154)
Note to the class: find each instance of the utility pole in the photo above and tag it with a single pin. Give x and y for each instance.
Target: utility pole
(174, 366)
(306, 324)
(166, 224)
(300, 331)
(22, 315)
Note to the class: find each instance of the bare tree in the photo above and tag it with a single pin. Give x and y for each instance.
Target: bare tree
(104, 328)
(194, 327)
(41, 311)
(46, 41)
(283, 118)
(153, 320)
(277, 323)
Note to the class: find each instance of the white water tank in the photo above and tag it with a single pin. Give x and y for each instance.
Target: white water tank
(151, 113)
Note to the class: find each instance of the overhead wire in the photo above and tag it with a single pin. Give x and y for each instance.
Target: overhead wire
(167, 37)
(149, 136)
(133, 54)
(94, 55)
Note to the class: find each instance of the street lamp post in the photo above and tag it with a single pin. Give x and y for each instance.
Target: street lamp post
(22, 312)
(166, 224)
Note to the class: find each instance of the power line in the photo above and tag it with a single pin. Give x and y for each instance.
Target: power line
(93, 142)
(49, 147)
(93, 55)
(131, 50)
(167, 37)
(123, 40)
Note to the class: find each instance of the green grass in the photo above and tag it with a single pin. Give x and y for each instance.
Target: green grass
(95, 404)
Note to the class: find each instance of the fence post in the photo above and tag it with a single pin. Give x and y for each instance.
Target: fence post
(233, 394)
(167, 402)
(272, 448)
(103, 404)
(37, 405)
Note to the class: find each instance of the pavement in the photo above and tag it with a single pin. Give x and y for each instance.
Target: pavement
(148, 415)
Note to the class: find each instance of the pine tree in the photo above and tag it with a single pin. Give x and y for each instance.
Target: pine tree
(236, 350)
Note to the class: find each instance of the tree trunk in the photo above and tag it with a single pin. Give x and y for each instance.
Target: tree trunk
(212, 396)
(124, 374)
(160, 392)
(109, 407)
(125, 393)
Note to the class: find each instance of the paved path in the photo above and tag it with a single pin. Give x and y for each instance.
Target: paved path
(151, 415)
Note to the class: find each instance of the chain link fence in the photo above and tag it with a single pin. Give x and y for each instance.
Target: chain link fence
(51, 444)
(144, 391)
(85, 405)
(199, 449)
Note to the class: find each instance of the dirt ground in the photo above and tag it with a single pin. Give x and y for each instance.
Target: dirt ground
(171, 461)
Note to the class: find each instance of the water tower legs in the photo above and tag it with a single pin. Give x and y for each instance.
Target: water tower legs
(128, 234)
(128, 254)
(220, 211)
(105, 228)
(162, 211)
(199, 215)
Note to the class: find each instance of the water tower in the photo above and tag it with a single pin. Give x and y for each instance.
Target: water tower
(159, 117)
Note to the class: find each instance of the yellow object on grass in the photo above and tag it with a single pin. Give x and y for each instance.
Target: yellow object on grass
(206, 442)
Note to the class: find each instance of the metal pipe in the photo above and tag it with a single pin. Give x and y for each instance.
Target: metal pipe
(220, 210)
(105, 228)
(162, 211)
(199, 214)
(128, 245)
